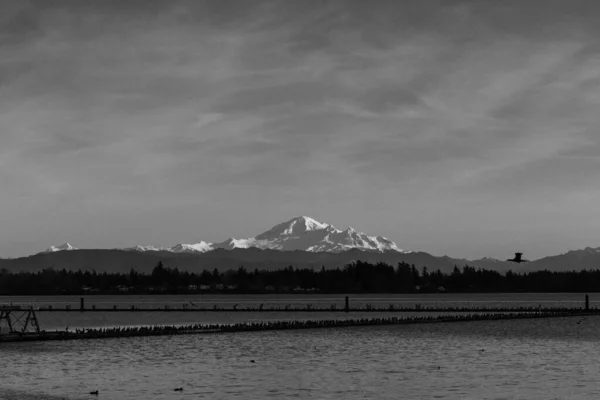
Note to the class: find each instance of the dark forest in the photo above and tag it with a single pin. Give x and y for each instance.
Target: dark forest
(358, 277)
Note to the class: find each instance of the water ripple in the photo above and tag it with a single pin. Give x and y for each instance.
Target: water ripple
(519, 359)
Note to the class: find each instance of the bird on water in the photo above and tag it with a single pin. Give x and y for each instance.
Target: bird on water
(95, 393)
(178, 390)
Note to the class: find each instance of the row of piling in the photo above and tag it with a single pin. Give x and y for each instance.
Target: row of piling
(190, 306)
(121, 332)
(310, 308)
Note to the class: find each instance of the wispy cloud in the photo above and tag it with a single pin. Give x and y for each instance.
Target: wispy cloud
(133, 107)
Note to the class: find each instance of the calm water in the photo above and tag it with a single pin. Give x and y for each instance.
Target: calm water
(525, 359)
(552, 358)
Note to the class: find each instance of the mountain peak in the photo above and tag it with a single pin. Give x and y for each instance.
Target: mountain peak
(199, 247)
(308, 234)
(308, 223)
(582, 252)
(294, 227)
(63, 247)
(302, 233)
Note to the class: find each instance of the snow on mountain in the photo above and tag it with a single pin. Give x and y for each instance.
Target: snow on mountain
(294, 227)
(299, 233)
(145, 248)
(307, 234)
(200, 247)
(231, 244)
(63, 247)
(583, 252)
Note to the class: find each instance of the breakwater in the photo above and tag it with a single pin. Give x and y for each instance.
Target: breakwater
(123, 332)
(347, 306)
(310, 308)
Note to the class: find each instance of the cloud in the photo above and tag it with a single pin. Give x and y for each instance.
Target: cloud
(134, 107)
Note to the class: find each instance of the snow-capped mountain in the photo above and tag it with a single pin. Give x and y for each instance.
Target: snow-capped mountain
(305, 233)
(300, 233)
(582, 252)
(146, 248)
(189, 248)
(337, 247)
(63, 247)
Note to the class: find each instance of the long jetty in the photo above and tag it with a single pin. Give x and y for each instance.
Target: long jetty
(124, 332)
(23, 325)
(309, 307)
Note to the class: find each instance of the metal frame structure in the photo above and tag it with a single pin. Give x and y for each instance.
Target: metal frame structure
(18, 320)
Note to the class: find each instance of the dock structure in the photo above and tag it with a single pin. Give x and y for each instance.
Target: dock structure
(128, 332)
(20, 324)
(15, 320)
(296, 307)
(310, 308)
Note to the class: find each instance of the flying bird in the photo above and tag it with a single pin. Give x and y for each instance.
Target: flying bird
(517, 258)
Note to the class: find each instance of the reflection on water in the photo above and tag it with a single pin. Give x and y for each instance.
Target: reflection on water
(553, 358)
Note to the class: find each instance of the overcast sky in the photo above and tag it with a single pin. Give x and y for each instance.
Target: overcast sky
(466, 128)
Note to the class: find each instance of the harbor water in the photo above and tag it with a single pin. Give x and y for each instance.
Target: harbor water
(553, 358)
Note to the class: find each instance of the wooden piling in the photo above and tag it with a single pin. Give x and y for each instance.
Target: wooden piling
(587, 302)
(347, 308)
(37, 334)
(81, 304)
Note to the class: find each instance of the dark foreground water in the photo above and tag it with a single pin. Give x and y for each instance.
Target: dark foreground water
(555, 358)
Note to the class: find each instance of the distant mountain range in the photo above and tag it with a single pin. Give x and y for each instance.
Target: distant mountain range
(63, 247)
(300, 233)
(302, 242)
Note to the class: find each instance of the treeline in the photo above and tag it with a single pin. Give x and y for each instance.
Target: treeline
(358, 277)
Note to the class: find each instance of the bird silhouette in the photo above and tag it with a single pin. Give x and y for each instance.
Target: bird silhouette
(178, 390)
(517, 258)
(95, 393)
(581, 320)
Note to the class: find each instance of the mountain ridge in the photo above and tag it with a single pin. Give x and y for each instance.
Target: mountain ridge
(299, 233)
(63, 247)
(302, 242)
(119, 260)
